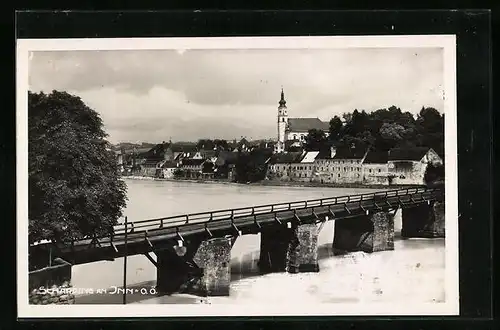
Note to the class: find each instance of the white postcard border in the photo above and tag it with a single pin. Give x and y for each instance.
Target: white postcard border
(449, 307)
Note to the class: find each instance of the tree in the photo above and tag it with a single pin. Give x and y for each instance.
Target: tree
(434, 174)
(251, 166)
(221, 144)
(178, 173)
(208, 167)
(392, 132)
(384, 129)
(430, 129)
(205, 144)
(315, 140)
(335, 129)
(74, 185)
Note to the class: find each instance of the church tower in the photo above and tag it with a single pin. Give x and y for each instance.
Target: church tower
(282, 123)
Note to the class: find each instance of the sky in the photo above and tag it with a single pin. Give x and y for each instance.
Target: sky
(157, 95)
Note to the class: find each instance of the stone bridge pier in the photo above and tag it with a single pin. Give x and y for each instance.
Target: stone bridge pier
(294, 249)
(368, 233)
(199, 267)
(425, 220)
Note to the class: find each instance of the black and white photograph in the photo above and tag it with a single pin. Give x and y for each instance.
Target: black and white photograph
(237, 176)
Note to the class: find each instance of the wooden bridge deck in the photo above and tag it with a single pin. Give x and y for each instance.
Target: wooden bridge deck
(156, 234)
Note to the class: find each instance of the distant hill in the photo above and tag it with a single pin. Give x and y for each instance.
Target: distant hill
(129, 145)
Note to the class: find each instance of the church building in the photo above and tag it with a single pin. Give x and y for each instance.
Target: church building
(295, 129)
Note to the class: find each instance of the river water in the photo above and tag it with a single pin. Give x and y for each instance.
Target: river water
(413, 272)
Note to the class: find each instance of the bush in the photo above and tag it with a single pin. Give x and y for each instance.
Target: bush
(434, 174)
(178, 173)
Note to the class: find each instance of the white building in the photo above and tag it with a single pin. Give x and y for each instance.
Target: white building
(295, 129)
(375, 168)
(340, 165)
(408, 166)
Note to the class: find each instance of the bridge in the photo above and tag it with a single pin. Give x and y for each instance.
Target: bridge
(193, 251)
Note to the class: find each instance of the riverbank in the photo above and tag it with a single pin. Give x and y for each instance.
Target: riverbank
(277, 183)
(325, 185)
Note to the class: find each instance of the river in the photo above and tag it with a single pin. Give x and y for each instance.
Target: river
(413, 272)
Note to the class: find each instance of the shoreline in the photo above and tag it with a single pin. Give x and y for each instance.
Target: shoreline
(274, 183)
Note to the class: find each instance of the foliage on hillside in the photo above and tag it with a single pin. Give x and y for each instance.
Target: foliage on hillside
(382, 130)
(74, 186)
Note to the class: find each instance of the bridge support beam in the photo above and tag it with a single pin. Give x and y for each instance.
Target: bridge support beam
(425, 221)
(367, 233)
(202, 270)
(294, 250)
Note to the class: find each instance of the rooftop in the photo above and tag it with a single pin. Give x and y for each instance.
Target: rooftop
(376, 157)
(349, 153)
(310, 157)
(192, 162)
(156, 153)
(413, 154)
(169, 164)
(286, 158)
(306, 124)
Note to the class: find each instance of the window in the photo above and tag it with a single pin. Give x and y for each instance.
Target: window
(370, 170)
(339, 175)
(295, 136)
(379, 170)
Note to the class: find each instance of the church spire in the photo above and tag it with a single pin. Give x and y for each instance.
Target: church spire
(282, 101)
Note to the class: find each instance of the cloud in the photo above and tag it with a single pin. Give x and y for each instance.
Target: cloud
(187, 94)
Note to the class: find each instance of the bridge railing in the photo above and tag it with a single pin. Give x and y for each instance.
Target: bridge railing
(218, 215)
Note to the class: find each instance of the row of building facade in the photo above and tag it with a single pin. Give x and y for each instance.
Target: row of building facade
(354, 166)
(335, 166)
(169, 160)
